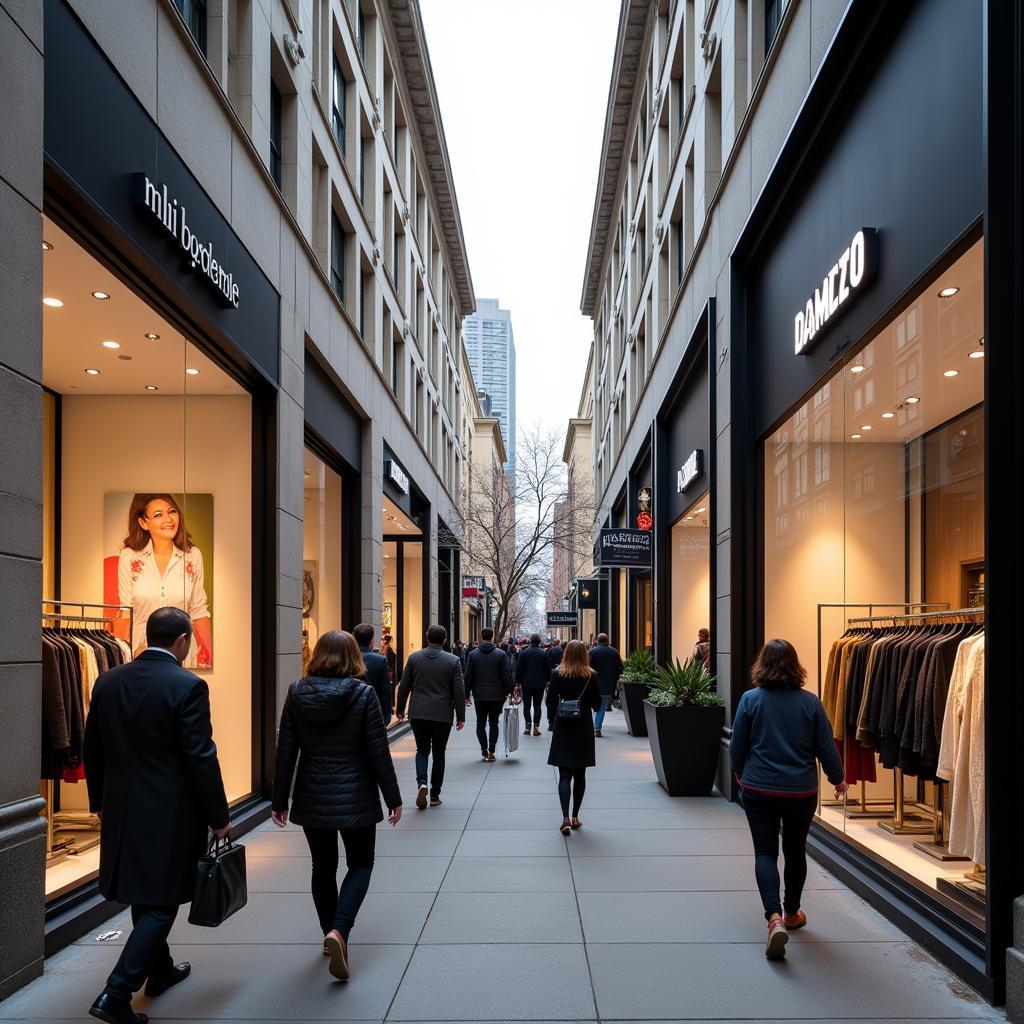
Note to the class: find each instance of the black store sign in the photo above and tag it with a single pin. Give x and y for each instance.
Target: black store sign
(625, 549)
(562, 618)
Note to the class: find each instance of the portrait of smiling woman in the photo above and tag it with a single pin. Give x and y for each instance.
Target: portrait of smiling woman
(160, 566)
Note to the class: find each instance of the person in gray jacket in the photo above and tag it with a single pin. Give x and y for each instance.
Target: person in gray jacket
(489, 684)
(433, 688)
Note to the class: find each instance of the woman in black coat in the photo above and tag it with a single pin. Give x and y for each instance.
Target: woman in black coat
(572, 741)
(334, 720)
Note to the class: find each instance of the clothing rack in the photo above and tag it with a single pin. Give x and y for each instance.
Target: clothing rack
(862, 808)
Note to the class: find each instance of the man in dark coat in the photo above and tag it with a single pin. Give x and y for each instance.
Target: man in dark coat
(377, 673)
(533, 670)
(489, 684)
(155, 782)
(555, 652)
(607, 663)
(432, 685)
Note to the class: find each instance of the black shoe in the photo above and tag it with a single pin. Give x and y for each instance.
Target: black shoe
(115, 1011)
(159, 985)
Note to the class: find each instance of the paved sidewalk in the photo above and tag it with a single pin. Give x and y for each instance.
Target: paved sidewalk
(480, 911)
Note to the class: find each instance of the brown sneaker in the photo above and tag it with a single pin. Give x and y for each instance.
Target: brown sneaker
(421, 797)
(775, 947)
(536, 730)
(794, 921)
(435, 801)
(337, 948)
(490, 755)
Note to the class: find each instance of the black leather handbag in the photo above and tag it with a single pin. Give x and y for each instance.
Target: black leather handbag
(569, 710)
(220, 884)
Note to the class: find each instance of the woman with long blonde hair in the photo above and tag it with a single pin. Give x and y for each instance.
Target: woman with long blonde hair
(573, 697)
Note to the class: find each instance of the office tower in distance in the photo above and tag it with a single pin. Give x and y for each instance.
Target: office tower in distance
(491, 349)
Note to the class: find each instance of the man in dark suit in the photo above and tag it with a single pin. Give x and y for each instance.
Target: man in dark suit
(555, 652)
(607, 663)
(155, 782)
(533, 670)
(377, 674)
(489, 683)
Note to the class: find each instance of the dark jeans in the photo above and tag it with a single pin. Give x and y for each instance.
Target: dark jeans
(576, 778)
(606, 703)
(534, 698)
(145, 954)
(431, 738)
(765, 816)
(488, 713)
(338, 909)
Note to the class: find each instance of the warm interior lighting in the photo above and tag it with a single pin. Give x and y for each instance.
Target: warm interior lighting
(948, 293)
(53, 303)
(100, 295)
(47, 246)
(888, 415)
(857, 369)
(950, 373)
(111, 344)
(149, 336)
(152, 387)
(913, 401)
(855, 437)
(92, 372)
(192, 371)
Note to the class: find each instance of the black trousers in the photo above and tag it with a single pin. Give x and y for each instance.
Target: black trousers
(488, 714)
(431, 739)
(145, 954)
(337, 909)
(536, 699)
(766, 815)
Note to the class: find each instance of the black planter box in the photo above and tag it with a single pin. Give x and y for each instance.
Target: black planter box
(685, 744)
(631, 698)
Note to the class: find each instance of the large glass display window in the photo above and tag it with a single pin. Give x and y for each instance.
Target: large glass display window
(147, 503)
(874, 567)
(403, 625)
(322, 557)
(690, 573)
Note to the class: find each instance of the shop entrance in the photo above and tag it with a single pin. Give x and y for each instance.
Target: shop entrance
(690, 574)
(402, 611)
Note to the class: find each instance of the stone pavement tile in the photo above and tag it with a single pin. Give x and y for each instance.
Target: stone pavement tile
(462, 787)
(390, 874)
(521, 916)
(535, 982)
(721, 981)
(674, 815)
(454, 797)
(493, 789)
(417, 842)
(679, 874)
(537, 819)
(444, 817)
(525, 875)
(228, 982)
(724, 917)
(815, 1020)
(512, 843)
(591, 842)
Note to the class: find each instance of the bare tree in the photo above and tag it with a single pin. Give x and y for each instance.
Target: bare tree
(514, 521)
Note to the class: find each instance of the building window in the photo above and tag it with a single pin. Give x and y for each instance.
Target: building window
(361, 31)
(338, 104)
(194, 13)
(772, 20)
(337, 257)
(275, 134)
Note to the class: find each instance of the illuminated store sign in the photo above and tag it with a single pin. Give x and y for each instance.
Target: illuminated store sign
(690, 470)
(854, 268)
(395, 473)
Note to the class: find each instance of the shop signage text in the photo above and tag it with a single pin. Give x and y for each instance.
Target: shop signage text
(690, 470)
(171, 216)
(472, 586)
(395, 473)
(625, 548)
(562, 618)
(849, 273)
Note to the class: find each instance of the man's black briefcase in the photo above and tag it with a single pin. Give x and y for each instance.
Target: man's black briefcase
(220, 884)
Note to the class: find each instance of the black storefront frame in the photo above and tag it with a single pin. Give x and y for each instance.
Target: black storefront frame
(982, 963)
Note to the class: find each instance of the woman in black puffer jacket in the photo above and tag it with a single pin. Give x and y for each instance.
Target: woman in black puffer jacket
(334, 720)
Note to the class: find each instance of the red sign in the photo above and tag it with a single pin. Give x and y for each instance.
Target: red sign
(644, 521)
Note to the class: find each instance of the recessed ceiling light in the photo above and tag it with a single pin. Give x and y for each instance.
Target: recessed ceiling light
(149, 336)
(100, 295)
(888, 415)
(855, 437)
(857, 369)
(866, 426)
(47, 246)
(978, 353)
(53, 303)
(152, 387)
(703, 508)
(913, 401)
(92, 372)
(950, 373)
(192, 371)
(111, 344)
(948, 293)
(689, 517)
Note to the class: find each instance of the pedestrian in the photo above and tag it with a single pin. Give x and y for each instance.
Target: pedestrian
(488, 684)
(155, 783)
(779, 733)
(572, 697)
(433, 688)
(377, 672)
(533, 670)
(606, 661)
(331, 724)
(702, 649)
(555, 653)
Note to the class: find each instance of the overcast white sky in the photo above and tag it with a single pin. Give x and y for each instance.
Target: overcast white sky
(523, 86)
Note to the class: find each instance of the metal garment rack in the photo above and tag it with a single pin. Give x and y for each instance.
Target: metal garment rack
(862, 809)
(55, 852)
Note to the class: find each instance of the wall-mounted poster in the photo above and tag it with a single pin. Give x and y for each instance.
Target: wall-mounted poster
(152, 559)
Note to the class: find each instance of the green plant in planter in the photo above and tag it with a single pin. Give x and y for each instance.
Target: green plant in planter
(639, 669)
(683, 685)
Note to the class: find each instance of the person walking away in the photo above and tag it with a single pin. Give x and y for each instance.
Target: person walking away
(572, 749)
(779, 733)
(533, 670)
(606, 661)
(155, 783)
(555, 654)
(433, 688)
(332, 727)
(488, 684)
(702, 649)
(378, 675)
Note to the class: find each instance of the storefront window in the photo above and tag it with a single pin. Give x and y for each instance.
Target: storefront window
(322, 556)
(690, 571)
(402, 620)
(874, 569)
(148, 503)
(643, 614)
